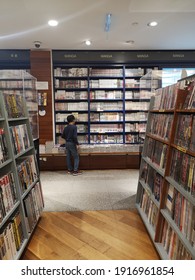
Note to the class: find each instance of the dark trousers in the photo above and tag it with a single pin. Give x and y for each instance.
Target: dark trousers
(71, 151)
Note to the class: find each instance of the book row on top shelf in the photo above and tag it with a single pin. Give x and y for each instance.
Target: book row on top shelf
(21, 200)
(166, 188)
(97, 83)
(99, 71)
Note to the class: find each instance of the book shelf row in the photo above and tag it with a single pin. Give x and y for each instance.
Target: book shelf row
(98, 71)
(103, 95)
(102, 106)
(166, 188)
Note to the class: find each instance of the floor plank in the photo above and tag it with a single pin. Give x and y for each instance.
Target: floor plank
(90, 235)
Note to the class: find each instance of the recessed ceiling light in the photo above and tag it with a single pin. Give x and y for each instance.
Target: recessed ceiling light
(53, 22)
(88, 42)
(152, 23)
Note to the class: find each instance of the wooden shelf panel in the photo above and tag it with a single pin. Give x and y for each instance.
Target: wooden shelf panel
(181, 189)
(154, 166)
(157, 138)
(164, 111)
(92, 161)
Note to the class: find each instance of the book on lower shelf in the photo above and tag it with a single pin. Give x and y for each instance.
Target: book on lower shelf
(20, 138)
(156, 152)
(3, 146)
(170, 200)
(149, 208)
(182, 212)
(152, 179)
(106, 94)
(11, 237)
(27, 171)
(173, 245)
(33, 206)
(8, 196)
(182, 170)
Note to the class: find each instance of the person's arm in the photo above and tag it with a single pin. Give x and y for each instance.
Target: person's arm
(63, 134)
(75, 136)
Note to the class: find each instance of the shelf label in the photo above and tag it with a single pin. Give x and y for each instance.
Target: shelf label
(143, 55)
(162, 110)
(183, 150)
(106, 56)
(70, 56)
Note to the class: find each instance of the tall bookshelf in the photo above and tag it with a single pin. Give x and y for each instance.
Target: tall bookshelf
(21, 200)
(166, 188)
(149, 83)
(105, 100)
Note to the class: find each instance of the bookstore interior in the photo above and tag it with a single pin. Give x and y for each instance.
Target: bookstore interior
(120, 112)
(134, 110)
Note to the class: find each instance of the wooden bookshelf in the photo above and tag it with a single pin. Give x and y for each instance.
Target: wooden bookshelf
(173, 233)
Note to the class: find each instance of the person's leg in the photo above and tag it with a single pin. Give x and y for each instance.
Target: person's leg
(68, 157)
(75, 155)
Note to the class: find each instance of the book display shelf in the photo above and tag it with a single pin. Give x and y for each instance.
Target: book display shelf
(105, 100)
(21, 200)
(166, 188)
(106, 103)
(149, 83)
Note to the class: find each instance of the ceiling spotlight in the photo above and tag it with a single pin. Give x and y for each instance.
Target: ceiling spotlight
(53, 22)
(88, 42)
(152, 23)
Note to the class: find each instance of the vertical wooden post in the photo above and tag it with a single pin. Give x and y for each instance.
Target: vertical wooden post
(41, 68)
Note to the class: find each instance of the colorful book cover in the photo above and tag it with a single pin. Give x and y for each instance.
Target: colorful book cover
(170, 199)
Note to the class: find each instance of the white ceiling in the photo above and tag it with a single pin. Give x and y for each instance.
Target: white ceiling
(24, 21)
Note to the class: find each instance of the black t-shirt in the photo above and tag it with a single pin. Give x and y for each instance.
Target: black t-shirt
(70, 134)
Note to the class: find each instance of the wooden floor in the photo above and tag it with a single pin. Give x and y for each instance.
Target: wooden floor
(90, 235)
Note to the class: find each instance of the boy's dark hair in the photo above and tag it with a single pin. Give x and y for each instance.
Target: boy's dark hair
(70, 118)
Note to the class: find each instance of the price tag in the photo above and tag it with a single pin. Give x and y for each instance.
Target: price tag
(182, 149)
(162, 110)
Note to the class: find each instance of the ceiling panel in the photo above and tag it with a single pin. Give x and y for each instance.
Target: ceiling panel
(23, 22)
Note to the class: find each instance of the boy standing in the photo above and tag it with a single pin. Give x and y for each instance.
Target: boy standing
(70, 135)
